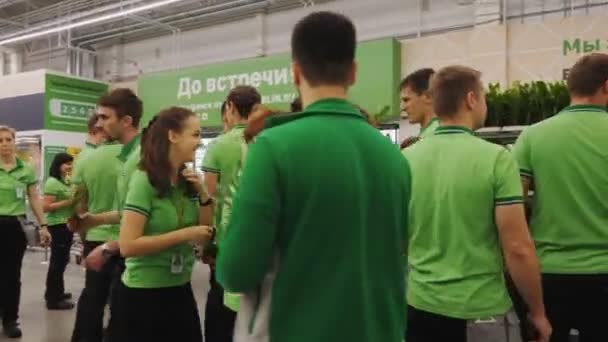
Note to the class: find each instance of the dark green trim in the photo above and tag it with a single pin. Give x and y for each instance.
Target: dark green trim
(328, 106)
(128, 148)
(239, 126)
(88, 144)
(526, 173)
(509, 200)
(453, 130)
(433, 120)
(19, 164)
(585, 108)
(136, 209)
(210, 169)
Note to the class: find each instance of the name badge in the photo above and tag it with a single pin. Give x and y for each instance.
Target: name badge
(177, 263)
(20, 192)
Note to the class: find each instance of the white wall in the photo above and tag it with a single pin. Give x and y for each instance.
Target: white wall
(243, 39)
(25, 83)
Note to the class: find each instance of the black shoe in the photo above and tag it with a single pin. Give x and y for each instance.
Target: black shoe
(66, 296)
(11, 330)
(62, 305)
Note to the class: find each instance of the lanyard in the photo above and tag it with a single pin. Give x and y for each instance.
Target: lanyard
(179, 205)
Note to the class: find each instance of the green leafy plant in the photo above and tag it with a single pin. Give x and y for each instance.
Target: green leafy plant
(525, 103)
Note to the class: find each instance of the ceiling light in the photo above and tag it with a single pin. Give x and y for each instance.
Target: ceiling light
(87, 22)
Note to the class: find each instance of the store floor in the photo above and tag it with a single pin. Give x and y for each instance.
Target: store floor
(41, 325)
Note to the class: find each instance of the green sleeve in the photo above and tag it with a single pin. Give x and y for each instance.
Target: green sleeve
(211, 161)
(507, 183)
(51, 188)
(522, 154)
(77, 172)
(30, 177)
(139, 194)
(247, 249)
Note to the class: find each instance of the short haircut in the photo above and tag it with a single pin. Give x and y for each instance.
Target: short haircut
(4, 128)
(125, 103)
(324, 44)
(450, 86)
(296, 105)
(588, 75)
(60, 159)
(244, 99)
(223, 108)
(91, 124)
(418, 81)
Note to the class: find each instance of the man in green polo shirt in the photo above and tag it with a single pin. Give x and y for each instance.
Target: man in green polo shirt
(416, 101)
(466, 215)
(97, 176)
(315, 239)
(119, 114)
(220, 165)
(566, 157)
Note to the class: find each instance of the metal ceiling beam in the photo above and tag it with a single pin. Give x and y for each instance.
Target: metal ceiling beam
(219, 8)
(10, 22)
(71, 18)
(255, 6)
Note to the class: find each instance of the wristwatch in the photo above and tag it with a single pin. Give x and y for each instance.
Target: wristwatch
(106, 251)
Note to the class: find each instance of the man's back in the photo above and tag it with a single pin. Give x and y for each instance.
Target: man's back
(342, 193)
(100, 172)
(567, 158)
(454, 253)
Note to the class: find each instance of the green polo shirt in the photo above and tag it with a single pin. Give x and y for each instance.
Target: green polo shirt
(98, 173)
(61, 191)
(224, 158)
(567, 158)
(455, 260)
(177, 210)
(429, 129)
(323, 195)
(79, 161)
(13, 188)
(129, 157)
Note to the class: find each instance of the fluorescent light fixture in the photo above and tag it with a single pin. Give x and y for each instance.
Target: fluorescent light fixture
(87, 22)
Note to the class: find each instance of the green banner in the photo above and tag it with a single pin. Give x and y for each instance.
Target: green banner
(69, 102)
(202, 89)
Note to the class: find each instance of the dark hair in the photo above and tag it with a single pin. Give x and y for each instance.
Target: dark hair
(296, 105)
(588, 75)
(450, 86)
(244, 97)
(257, 120)
(60, 159)
(125, 103)
(155, 149)
(418, 80)
(92, 124)
(223, 108)
(324, 44)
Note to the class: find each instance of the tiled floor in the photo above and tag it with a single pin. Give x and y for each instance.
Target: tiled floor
(41, 325)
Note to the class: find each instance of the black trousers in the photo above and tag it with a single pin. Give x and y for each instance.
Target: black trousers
(94, 298)
(577, 302)
(61, 243)
(12, 248)
(219, 319)
(424, 326)
(155, 315)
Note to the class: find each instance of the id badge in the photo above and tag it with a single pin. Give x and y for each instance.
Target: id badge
(20, 192)
(177, 263)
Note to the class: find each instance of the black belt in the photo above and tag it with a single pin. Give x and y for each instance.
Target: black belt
(10, 218)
